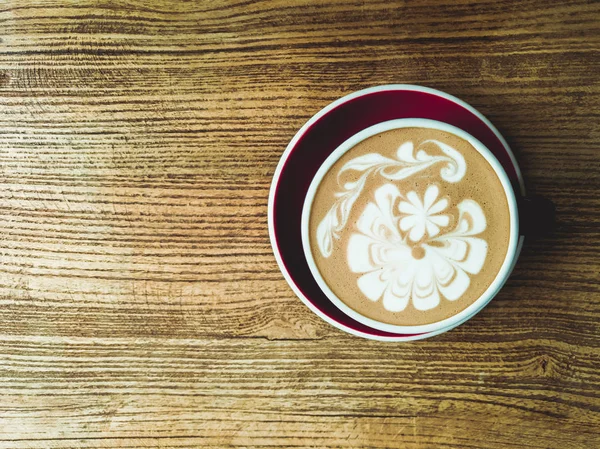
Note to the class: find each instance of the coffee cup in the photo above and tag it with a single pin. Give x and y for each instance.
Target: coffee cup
(411, 226)
(326, 131)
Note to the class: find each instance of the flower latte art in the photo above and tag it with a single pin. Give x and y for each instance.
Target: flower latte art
(409, 226)
(420, 264)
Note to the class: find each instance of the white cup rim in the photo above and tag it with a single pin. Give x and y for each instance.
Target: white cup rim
(501, 276)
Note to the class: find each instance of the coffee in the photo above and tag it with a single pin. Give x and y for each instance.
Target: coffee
(410, 226)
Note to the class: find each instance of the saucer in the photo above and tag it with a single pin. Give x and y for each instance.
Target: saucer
(319, 137)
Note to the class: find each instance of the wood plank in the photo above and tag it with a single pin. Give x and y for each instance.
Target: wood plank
(347, 393)
(140, 303)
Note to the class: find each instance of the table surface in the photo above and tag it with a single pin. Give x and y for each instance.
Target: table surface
(141, 305)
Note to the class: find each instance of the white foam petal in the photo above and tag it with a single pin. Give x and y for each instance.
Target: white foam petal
(431, 195)
(408, 222)
(405, 152)
(440, 220)
(359, 254)
(471, 219)
(393, 302)
(371, 285)
(418, 231)
(385, 197)
(457, 287)
(432, 229)
(414, 198)
(473, 263)
(407, 208)
(438, 207)
(425, 293)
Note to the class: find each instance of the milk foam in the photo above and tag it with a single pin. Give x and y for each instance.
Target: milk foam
(404, 166)
(400, 269)
(408, 246)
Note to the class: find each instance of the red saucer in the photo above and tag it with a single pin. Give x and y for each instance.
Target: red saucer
(319, 137)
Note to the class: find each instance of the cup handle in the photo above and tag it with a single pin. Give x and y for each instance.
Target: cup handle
(536, 216)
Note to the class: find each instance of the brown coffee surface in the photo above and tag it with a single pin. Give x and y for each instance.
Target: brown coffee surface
(409, 225)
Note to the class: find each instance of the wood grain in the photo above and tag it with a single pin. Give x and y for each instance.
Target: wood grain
(140, 304)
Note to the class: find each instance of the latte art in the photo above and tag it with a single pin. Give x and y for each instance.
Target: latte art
(404, 166)
(402, 229)
(420, 264)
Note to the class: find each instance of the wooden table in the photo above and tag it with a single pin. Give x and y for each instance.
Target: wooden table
(141, 305)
